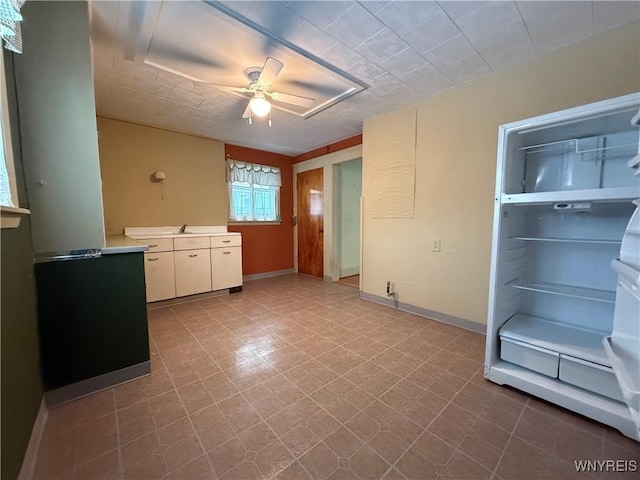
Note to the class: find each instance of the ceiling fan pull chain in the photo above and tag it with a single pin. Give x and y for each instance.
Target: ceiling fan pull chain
(269, 117)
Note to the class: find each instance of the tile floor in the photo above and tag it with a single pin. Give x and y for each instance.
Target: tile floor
(294, 378)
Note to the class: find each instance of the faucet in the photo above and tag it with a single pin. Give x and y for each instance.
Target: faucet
(183, 227)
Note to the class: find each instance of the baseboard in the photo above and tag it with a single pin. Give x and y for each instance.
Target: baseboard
(274, 273)
(187, 299)
(349, 272)
(93, 385)
(327, 278)
(425, 312)
(30, 456)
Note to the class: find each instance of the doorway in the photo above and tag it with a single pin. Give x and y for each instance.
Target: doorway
(309, 186)
(347, 208)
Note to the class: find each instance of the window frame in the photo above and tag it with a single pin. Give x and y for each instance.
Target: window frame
(9, 215)
(277, 220)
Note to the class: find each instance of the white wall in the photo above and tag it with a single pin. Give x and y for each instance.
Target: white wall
(348, 196)
(456, 142)
(329, 165)
(58, 127)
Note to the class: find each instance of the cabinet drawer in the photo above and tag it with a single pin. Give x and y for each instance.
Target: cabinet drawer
(529, 356)
(159, 244)
(590, 376)
(226, 241)
(190, 243)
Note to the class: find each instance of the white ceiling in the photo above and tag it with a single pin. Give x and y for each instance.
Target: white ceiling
(402, 51)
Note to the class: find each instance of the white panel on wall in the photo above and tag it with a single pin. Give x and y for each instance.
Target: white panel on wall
(393, 165)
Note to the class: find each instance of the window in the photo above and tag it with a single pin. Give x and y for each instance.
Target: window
(254, 192)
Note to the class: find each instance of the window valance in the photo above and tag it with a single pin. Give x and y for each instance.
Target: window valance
(253, 173)
(10, 19)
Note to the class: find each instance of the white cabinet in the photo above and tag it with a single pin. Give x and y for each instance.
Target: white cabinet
(159, 269)
(562, 203)
(226, 267)
(193, 271)
(182, 264)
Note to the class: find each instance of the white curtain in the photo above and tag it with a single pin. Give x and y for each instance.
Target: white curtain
(10, 19)
(253, 173)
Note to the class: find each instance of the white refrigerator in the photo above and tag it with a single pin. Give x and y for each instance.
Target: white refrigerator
(563, 318)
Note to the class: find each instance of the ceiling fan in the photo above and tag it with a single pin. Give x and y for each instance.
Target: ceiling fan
(260, 80)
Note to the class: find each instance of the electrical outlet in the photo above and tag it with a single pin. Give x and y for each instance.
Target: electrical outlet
(435, 244)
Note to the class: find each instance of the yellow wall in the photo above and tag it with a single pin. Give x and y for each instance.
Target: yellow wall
(195, 191)
(456, 145)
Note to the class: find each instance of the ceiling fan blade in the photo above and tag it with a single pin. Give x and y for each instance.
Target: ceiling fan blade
(270, 71)
(292, 99)
(176, 60)
(247, 112)
(229, 88)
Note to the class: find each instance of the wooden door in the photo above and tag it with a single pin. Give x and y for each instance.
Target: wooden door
(310, 223)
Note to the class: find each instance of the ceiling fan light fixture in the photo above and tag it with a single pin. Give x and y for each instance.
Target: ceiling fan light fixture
(260, 106)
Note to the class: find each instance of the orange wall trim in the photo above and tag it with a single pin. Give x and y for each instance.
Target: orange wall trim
(267, 248)
(334, 147)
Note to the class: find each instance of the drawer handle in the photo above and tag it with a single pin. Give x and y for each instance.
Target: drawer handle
(152, 259)
(226, 253)
(226, 241)
(193, 255)
(153, 245)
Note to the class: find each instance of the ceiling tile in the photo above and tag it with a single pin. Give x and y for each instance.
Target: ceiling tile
(432, 33)
(563, 30)
(381, 46)
(513, 54)
(240, 7)
(117, 77)
(514, 34)
(275, 17)
(450, 52)
(310, 38)
(137, 69)
(535, 13)
(365, 71)
(384, 84)
(152, 88)
(458, 9)
(341, 56)
(404, 16)
(467, 69)
(321, 14)
(427, 80)
(173, 80)
(374, 5)
(607, 15)
(185, 98)
(355, 26)
(403, 62)
(490, 18)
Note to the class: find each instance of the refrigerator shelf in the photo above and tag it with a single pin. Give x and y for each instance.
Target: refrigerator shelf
(608, 194)
(568, 240)
(565, 290)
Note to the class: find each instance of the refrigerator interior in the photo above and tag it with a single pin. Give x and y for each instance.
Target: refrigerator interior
(590, 153)
(564, 190)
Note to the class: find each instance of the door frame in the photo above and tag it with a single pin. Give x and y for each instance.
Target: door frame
(328, 164)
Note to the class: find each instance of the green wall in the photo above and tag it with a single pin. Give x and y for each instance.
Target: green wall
(19, 358)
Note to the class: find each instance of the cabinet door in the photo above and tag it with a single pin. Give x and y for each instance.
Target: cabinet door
(226, 267)
(159, 276)
(193, 272)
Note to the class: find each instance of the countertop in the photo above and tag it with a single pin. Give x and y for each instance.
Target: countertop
(122, 244)
(183, 235)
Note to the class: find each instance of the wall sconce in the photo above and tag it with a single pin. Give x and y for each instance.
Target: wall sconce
(159, 177)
